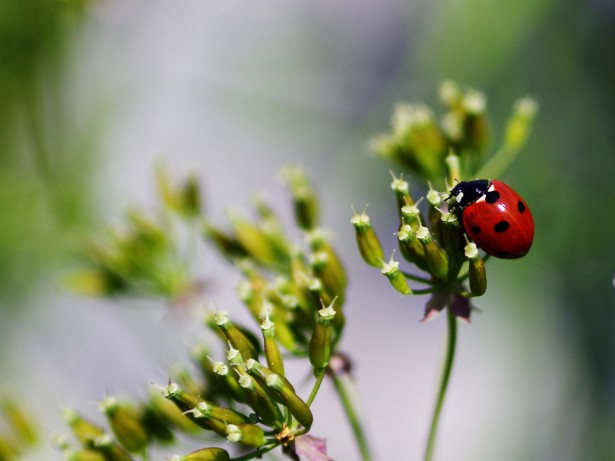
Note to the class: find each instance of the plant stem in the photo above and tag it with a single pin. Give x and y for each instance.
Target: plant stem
(315, 388)
(359, 435)
(444, 379)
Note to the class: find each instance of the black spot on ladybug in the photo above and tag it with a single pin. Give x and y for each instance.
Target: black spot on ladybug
(492, 197)
(520, 206)
(502, 226)
(475, 230)
(504, 254)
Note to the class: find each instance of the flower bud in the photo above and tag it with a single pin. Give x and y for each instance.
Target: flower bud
(477, 273)
(396, 278)
(186, 403)
(434, 255)
(520, 123)
(228, 246)
(320, 343)
(272, 351)
(238, 338)
(204, 454)
(126, 425)
(411, 248)
(82, 455)
(267, 411)
(247, 434)
(367, 240)
(475, 125)
(253, 240)
(20, 422)
(169, 412)
(229, 382)
(226, 415)
(85, 432)
(402, 192)
(305, 200)
(283, 392)
(453, 237)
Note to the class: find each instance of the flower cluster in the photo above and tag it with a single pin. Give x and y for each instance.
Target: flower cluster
(444, 151)
(294, 292)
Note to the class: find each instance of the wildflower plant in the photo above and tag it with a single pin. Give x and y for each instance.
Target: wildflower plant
(294, 294)
(439, 260)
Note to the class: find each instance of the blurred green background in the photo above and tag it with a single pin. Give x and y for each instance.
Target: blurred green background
(93, 93)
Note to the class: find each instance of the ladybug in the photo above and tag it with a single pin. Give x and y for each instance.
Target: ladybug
(494, 216)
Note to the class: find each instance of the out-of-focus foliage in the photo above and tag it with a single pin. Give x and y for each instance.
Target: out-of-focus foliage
(43, 157)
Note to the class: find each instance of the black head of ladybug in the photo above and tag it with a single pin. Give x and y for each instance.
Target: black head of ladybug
(468, 192)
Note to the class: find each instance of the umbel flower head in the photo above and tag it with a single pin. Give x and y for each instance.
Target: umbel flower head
(294, 293)
(432, 234)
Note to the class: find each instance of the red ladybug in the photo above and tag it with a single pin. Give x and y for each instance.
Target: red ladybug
(494, 216)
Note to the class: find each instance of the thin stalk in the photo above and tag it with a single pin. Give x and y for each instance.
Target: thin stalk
(256, 454)
(315, 388)
(417, 278)
(353, 419)
(444, 379)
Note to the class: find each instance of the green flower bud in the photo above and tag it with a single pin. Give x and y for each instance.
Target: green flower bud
(255, 242)
(9, 450)
(204, 454)
(520, 123)
(283, 392)
(20, 422)
(305, 200)
(226, 415)
(111, 450)
(475, 126)
(247, 434)
(272, 351)
(83, 455)
(396, 278)
(411, 248)
(171, 413)
(367, 240)
(126, 424)
(332, 271)
(402, 192)
(157, 425)
(453, 237)
(228, 246)
(85, 432)
(187, 402)
(435, 256)
(476, 270)
(450, 94)
(411, 214)
(229, 382)
(265, 409)
(320, 343)
(237, 338)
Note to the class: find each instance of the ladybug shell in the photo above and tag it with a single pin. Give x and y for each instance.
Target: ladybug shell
(500, 222)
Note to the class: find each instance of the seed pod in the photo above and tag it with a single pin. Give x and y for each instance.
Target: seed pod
(272, 351)
(320, 343)
(204, 454)
(367, 240)
(453, 238)
(476, 271)
(396, 278)
(126, 424)
(247, 434)
(230, 385)
(253, 240)
(227, 245)
(170, 412)
(112, 450)
(435, 256)
(520, 123)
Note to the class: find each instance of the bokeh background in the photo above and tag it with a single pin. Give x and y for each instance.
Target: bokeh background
(94, 94)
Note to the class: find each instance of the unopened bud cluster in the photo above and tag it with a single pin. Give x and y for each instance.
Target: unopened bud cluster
(294, 294)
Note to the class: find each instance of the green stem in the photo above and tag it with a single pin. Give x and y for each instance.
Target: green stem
(359, 435)
(256, 454)
(417, 278)
(498, 163)
(444, 379)
(315, 388)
